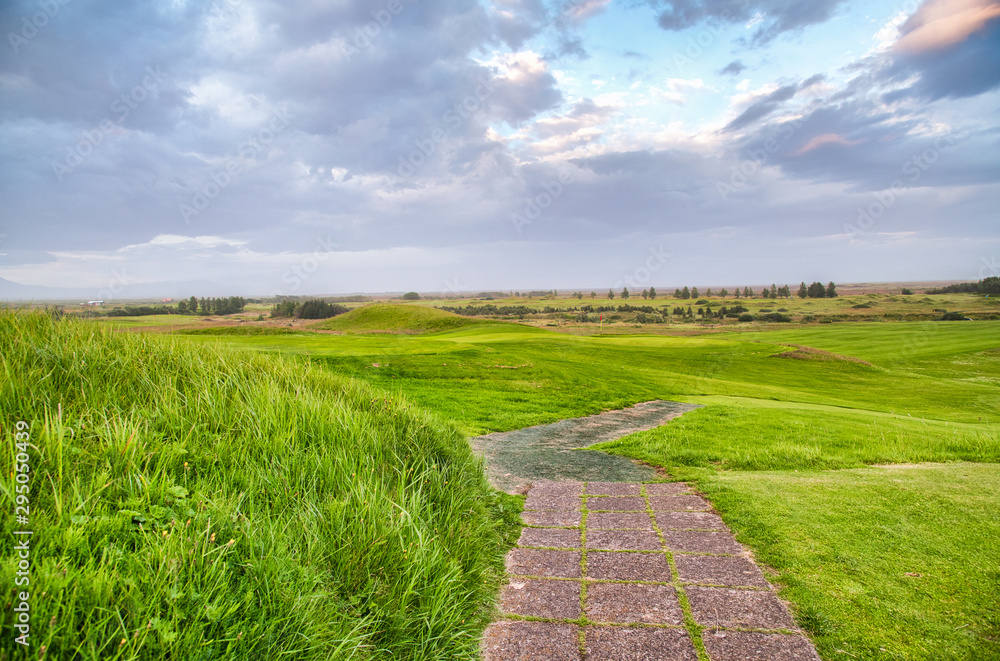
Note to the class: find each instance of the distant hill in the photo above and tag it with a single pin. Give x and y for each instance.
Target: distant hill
(396, 318)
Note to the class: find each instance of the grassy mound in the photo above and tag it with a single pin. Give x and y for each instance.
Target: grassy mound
(395, 318)
(203, 503)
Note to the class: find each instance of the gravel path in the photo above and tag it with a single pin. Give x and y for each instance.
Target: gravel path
(516, 458)
(612, 571)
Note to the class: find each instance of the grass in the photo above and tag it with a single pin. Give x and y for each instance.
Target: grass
(201, 503)
(896, 563)
(394, 318)
(733, 434)
(784, 447)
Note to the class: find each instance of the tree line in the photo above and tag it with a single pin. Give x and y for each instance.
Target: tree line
(309, 309)
(987, 286)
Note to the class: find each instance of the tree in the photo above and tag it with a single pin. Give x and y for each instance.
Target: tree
(736, 294)
(645, 293)
(192, 305)
(182, 306)
(694, 292)
(652, 293)
(411, 296)
(579, 295)
(677, 293)
(317, 309)
(906, 292)
(625, 293)
(593, 294)
(611, 294)
(817, 290)
(785, 292)
(803, 291)
(831, 290)
(747, 292)
(990, 286)
(685, 293)
(723, 292)
(708, 294)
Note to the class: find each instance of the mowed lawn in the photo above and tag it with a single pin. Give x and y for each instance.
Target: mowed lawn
(783, 446)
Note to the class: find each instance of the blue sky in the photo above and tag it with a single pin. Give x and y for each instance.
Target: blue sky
(262, 147)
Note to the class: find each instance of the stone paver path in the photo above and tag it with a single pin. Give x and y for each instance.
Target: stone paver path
(612, 571)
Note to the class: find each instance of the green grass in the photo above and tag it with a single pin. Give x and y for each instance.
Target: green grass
(896, 563)
(200, 503)
(394, 318)
(744, 435)
(841, 539)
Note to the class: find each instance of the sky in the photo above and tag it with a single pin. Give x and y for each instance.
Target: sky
(302, 147)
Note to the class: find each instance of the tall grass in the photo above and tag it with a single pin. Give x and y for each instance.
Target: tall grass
(204, 503)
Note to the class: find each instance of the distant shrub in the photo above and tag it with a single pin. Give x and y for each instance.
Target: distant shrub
(774, 317)
(954, 316)
(411, 296)
(746, 317)
(906, 292)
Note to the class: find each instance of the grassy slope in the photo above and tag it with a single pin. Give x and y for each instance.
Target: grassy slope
(197, 503)
(394, 318)
(879, 563)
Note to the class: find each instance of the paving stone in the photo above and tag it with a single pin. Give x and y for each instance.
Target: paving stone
(667, 489)
(612, 489)
(622, 520)
(557, 519)
(623, 540)
(633, 603)
(678, 503)
(542, 598)
(690, 521)
(508, 640)
(533, 502)
(616, 504)
(748, 609)
(549, 488)
(731, 571)
(550, 537)
(687, 541)
(749, 646)
(543, 562)
(638, 644)
(618, 566)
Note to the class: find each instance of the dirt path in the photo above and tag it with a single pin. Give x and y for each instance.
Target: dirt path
(610, 571)
(515, 459)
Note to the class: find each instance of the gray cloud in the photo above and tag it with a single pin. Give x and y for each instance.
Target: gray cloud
(779, 16)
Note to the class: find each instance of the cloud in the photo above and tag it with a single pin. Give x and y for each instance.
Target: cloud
(938, 24)
(763, 107)
(775, 17)
(734, 68)
(946, 49)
